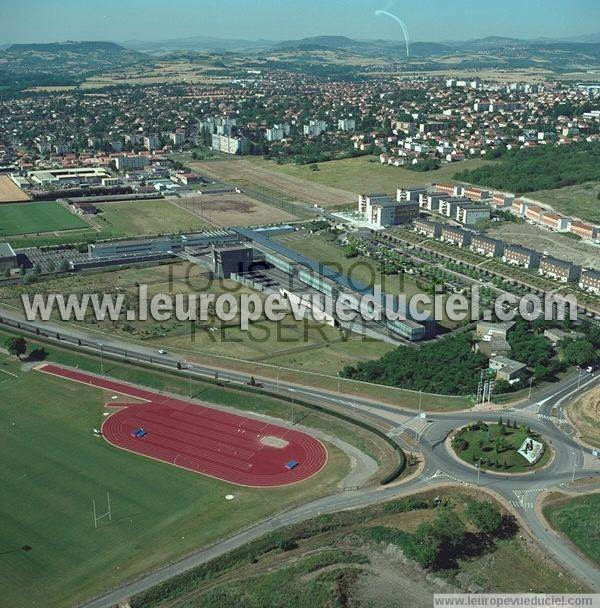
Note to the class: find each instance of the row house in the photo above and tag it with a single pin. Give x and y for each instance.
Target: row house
(456, 236)
(585, 231)
(450, 189)
(428, 228)
(560, 270)
(486, 246)
(554, 221)
(477, 194)
(502, 201)
(590, 281)
(516, 255)
(518, 207)
(534, 213)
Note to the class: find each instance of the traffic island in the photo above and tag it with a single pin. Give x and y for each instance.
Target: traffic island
(503, 447)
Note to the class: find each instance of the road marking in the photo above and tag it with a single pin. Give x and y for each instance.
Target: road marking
(553, 419)
(525, 499)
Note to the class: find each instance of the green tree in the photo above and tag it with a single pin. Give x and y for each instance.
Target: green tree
(16, 346)
(484, 515)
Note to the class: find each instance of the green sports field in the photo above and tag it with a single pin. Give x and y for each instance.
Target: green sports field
(52, 468)
(27, 218)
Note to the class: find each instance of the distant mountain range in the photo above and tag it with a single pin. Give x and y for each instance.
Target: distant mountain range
(207, 43)
(67, 58)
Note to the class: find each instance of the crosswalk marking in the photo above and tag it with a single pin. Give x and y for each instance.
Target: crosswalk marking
(554, 419)
(525, 499)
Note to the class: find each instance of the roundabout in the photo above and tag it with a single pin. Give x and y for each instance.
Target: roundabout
(504, 446)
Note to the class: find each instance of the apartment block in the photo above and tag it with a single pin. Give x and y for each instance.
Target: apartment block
(516, 255)
(585, 231)
(483, 245)
(590, 281)
(560, 270)
(456, 236)
(428, 228)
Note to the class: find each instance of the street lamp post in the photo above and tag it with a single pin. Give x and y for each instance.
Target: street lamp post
(574, 465)
(478, 472)
(420, 400)
(101, 360)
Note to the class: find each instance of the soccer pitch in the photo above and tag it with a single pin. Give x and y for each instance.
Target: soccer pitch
(27, 218)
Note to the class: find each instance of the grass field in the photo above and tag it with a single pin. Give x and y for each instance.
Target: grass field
(146, 217)
(580, 201)
(480, 446)
(9, 191)
(27, 218)
(235, 209)
(585, 415)
(367, 174)
(579, 520)
(53, 467)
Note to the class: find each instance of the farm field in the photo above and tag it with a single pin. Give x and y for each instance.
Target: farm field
(132, 218)
(579, 201)
(27, 218)
(266, 174)
(54, 466)
(578, 519)
(9, 191)
(233, 209)
(364, 174)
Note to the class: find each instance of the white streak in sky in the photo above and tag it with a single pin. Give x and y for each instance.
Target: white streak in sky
(398, 20)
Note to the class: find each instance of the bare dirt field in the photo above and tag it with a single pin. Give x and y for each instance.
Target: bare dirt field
(585, 415)
(233, 209)
(9, 191)
(556, 244)
(292, 187)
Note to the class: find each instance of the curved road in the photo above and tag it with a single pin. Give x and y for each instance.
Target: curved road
(543, 413)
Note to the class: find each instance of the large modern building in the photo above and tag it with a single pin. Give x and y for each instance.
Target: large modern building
(230, 144)
(381, 210)
(51, 177)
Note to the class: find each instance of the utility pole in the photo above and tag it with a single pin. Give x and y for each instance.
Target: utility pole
(574, 465)
(478, 472)
(579, 376)
(530, 385)
(101, 360)
(278, 379)
(420, 400)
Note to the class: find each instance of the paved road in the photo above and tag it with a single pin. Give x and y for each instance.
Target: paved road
(543, 413)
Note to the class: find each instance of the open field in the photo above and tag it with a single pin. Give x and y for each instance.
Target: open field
(578, 519)
(27, 218)
(579, 201)
(163, 72)
(265, 174)
(359, 175)
(146, 217)
(355, 558)
(54, 467)
(9, 191)
(556, 244)
(233, 209)
(585, 415)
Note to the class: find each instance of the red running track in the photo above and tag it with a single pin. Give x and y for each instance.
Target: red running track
(203, 439)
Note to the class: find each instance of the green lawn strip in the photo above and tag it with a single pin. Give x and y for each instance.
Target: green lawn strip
(579, 520)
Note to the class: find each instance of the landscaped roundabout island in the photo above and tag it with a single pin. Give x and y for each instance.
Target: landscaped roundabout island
(504, 446)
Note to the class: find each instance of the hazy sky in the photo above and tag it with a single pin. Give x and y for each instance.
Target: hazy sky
(427, 20)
